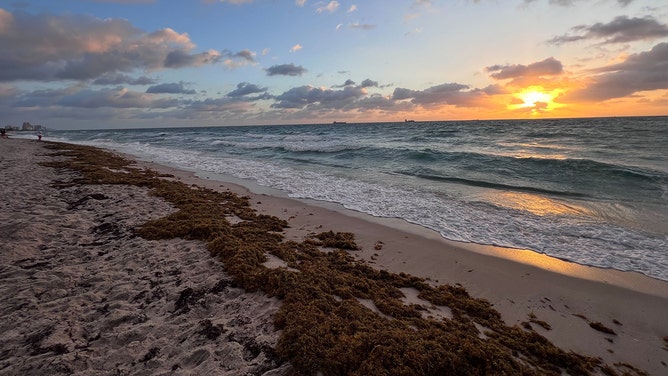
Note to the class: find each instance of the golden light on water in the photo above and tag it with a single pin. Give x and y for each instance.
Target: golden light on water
(536, 204)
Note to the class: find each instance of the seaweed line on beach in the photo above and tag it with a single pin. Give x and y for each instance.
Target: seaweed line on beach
(325, 327)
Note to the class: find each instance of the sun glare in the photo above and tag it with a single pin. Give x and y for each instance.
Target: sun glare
(531, 98)
(536, 99)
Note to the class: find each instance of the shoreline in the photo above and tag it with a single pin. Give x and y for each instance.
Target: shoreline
(516, 282)
(631, 280)
(567, 296)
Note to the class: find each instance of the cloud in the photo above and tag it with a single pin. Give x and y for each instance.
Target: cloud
(215, 106)
(369, 83)
(245, 88)
(236, 2)
(115, 98)
(348, 82)
(300, 3)
(620, 30)
(568, 3)
(639, 72)
(123, 1)
(170, 88)
(435, 94)
(50, 47)
(417, 3)
(331, 7)
(353, 8)
(448, 94)
(181, 58)
(366, 83)
(302, 96)
(285, 70)
(242, 58)
(8, 91)
(119, 79)
(296, 47)
(357, 25)
(549, 66)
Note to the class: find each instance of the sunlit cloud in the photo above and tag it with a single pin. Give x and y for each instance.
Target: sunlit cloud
(331, 7)
(51, 47)
(644, 71)
(296, 48)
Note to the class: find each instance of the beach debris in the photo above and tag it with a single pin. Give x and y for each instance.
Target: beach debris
(535, 320)
(324, 327)
(340, 240)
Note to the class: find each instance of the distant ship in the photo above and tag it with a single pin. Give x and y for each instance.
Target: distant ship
(409, 121)
(339, 122)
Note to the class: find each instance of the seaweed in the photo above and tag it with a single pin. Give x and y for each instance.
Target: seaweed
(325, 327)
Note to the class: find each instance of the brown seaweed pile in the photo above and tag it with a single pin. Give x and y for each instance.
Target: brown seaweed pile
(325, 319)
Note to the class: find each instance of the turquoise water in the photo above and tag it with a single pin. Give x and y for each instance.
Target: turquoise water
(592, 191)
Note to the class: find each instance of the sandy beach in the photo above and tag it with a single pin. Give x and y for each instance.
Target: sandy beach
(83, 293)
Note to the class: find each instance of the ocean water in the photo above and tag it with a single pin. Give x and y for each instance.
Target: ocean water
(592, 191)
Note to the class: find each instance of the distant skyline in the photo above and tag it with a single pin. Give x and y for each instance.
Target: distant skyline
(93, 64)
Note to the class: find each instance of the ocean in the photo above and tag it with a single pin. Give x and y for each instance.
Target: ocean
(592, 191)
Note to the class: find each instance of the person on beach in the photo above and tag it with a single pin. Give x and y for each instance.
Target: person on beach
(39, 136)
(3, 133)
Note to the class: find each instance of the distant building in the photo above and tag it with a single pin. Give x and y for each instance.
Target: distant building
(27, 126)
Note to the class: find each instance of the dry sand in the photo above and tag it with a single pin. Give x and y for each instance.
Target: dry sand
(81, 294)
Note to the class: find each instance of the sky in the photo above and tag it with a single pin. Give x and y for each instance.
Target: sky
(97, 64)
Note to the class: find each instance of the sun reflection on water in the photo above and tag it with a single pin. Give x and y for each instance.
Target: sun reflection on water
(535, 204)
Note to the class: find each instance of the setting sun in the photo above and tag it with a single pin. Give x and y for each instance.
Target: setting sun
(536, 99)
(531, 98)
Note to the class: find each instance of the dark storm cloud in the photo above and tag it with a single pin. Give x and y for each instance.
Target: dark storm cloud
(639, 72)
(285, 70)
(549, 66)
(620, 30)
